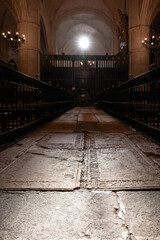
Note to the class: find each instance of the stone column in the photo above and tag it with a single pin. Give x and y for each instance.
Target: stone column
(29, 52)
(138, 30)
(138, 55)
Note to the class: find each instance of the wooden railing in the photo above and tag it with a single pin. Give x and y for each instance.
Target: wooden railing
(137, 101)
(26, 102)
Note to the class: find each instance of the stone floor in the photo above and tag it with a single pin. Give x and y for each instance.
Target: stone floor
(85, 175)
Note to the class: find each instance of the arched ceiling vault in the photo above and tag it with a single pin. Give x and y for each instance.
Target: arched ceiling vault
(18, 9)
(58, 11)
(149, 10)
(108, 7)
(70, 13)
(99, 33)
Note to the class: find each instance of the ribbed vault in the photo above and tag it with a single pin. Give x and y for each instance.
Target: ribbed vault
(71, 29)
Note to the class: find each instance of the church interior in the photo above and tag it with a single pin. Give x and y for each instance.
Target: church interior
(79, 119)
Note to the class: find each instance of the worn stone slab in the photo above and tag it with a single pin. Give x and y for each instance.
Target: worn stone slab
(9, 155)
(145, 144)
(63, 140)
(66, 161)
(67, 117)
(104, 140)
(85, 110)
(113, 128)
(87, 117)
(60, 154)
(87, 122)
(114, 163)
(59, 126)
(90, 110)
(79, 215)
(148, 147)
(87, 127)
(75, 110)
(107, 123)
(102, 117)
(56, 170)
(97, 111)
(141, 213)
(119, 169)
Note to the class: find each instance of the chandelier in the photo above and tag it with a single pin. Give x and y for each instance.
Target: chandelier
(153, 44)
(14, 40)
(87, 64)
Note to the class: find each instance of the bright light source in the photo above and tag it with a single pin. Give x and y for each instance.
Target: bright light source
(84, 42)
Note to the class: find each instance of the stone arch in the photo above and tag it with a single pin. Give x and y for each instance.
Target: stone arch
(16, 8)
(143, 12)
(102, 17)
(95, 12)
(8, 22)
(148, 11)
(157, 10)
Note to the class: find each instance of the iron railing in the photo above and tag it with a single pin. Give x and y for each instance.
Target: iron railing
(25, 102)
(84, 74)
(136, 100)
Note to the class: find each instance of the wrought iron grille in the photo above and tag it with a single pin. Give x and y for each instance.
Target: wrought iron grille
(136, 100)
(25, 102)
(85, 75)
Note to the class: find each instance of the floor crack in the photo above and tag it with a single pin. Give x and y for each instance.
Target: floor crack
(25, 150)
(83, 166)
(120, 212)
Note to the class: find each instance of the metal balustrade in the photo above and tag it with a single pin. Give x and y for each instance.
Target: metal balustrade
(137, 101)
(26, 102)
(84, 74)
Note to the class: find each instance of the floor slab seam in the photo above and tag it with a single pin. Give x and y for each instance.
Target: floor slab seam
(136, 150)
(97, 183)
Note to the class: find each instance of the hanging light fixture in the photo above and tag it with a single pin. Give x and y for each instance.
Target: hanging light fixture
(153, 46)
(153, 43)
(87, 64)
(14, 40)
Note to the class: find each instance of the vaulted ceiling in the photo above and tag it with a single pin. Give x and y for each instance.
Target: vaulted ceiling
(70, 18)
(72, 29)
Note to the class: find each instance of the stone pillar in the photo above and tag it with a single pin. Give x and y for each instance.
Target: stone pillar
(138, 55)
(29, 52)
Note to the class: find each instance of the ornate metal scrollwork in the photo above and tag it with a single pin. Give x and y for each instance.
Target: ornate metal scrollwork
(123, 32)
